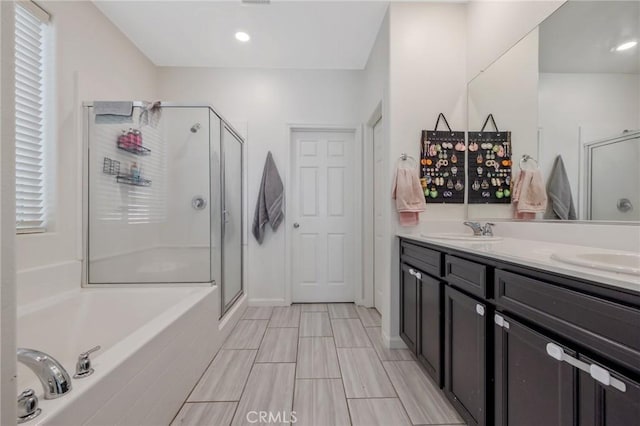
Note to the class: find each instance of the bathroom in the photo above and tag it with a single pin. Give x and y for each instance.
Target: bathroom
(206, 243)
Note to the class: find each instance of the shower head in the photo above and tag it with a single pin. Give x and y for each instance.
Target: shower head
(195, 128)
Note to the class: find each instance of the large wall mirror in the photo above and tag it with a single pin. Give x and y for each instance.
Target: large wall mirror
(569, 93)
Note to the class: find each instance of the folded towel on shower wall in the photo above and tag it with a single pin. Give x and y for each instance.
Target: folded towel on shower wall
(559, 191)
(529, 196)
(113, 112)
(409, 196)
(270, 200)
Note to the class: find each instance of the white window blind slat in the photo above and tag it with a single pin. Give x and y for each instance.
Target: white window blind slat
(30, 121)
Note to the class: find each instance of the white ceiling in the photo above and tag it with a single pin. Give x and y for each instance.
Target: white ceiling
(580, 36)
(303, 35)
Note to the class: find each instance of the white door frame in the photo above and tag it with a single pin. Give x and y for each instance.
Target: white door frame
(368, 217)
(288, 220)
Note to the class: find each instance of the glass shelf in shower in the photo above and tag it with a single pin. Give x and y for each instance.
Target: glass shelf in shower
(135, 149)
(130, 180)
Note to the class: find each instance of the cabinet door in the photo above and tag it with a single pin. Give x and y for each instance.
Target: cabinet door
(605, 405)
(430, 342)
(465, 355)
(409, 306)
(531, 387)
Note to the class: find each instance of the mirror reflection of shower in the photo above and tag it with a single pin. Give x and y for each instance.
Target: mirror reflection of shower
(195, 128)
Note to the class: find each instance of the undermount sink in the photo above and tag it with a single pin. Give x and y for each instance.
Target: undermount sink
(462, 237)
(626, 263)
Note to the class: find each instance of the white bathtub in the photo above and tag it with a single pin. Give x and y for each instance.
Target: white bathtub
(156, 342)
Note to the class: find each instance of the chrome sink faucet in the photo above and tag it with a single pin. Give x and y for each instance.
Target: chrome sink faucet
(479, 230)
(54, 378)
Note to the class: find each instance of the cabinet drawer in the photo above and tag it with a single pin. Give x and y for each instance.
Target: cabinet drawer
(601, 325)
(429, 261)
(467, 275)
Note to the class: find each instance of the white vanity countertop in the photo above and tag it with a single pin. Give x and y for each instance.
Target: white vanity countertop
(537, 254)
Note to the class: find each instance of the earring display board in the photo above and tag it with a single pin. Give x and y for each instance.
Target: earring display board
(442, 173)
(489, 163)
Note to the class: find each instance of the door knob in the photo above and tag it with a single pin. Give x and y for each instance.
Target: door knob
(198, 202)
(296, 225)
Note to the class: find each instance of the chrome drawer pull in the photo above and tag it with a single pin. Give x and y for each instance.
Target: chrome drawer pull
(556, 352)
(500, 321)
(480, 310)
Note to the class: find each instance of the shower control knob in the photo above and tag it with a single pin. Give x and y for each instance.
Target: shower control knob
(296, 225)
(198, 202)
(624, 205)
(83, 365)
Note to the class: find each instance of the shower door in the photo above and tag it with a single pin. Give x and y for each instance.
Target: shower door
(149, 201)
(232, 218)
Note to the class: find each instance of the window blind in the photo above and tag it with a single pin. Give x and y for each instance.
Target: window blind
(30, 121)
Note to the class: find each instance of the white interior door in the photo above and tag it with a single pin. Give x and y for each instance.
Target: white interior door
(324, 197)
(380, 196)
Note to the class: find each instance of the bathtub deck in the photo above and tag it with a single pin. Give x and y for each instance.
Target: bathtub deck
(317, 364)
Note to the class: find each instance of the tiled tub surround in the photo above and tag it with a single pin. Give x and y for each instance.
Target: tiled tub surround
(141, 331)
(325, 363)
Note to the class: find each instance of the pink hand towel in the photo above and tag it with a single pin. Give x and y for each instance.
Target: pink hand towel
(409, 197)
(529, 195)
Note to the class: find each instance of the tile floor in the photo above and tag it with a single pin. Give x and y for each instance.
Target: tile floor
(323, 364)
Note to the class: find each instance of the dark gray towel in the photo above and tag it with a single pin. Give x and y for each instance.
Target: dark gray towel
(270, 200)
(560, 206)
(113, 112)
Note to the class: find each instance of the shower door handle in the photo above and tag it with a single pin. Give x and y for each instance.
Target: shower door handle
(296, 225)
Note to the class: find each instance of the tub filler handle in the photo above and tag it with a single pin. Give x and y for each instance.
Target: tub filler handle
(28, 406)
(83, 366)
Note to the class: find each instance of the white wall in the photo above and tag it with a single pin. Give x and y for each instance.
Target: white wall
(579, 108)
(93, 61)
(427, 76)
(494, 26)
(508, 89)
(8, 298)
(268, 100)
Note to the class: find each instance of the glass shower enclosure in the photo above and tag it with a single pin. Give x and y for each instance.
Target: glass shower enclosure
(163, 198)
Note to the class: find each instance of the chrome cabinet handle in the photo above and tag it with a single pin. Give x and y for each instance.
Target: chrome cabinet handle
(480, 309)
(415, 273)
(500, 321)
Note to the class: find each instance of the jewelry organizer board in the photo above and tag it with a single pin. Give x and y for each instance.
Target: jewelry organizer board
(442, 165)
(489, 166)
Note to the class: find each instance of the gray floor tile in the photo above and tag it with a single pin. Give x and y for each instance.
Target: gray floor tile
(247, 335)
(285, 316)
(320, 402)
(363, 374)
(317, 358)
(375, 335)
(205, 413)
(270, 389)
(314, 307)
(369, 316)
(258, 312)
(315, 324)
(349, 333)
(422, 399)
(279, 345)
(342, 310)
(378, 412)
(225, 377)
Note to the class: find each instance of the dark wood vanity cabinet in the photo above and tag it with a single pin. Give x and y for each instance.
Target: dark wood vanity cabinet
(517, 346)
(409, 306)
(465, 351)
(528, 380)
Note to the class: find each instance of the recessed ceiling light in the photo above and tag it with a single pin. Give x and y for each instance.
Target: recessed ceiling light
(626, 45)
(242, 36)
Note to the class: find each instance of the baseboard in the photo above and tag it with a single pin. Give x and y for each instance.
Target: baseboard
(267, 302)
(393, 342)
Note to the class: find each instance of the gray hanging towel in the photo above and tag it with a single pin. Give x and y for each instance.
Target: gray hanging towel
(560, 204)
(270, 200)
(112, 112)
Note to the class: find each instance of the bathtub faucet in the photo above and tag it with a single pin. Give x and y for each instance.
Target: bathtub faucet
(54, 378)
